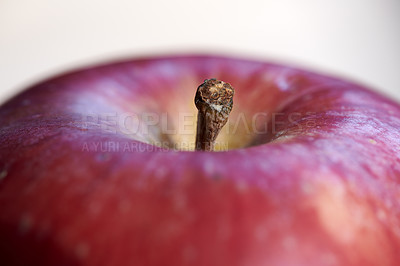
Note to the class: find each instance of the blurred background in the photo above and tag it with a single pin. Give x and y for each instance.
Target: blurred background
(355, 39)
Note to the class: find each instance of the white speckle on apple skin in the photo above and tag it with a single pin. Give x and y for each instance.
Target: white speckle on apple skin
(397, 231)
(189, 254)
(260, 233)
(3, 174)
(82, 250)
(388, 204)
(26, 102)
(381, 215)
(224, 231)
(209, 167)
(180, 202)
(242, 186)
(282, 82)
(329, 259)
(124, 206)
(289, 242)
(25, 224)
(94, 208)
(307, 188)
(161, 171)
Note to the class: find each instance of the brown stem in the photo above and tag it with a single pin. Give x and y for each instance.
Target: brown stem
(214, 100)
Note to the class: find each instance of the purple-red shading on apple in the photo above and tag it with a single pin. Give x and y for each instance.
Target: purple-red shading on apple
(97, 168)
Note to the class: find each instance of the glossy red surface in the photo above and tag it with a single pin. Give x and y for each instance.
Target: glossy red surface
(320, 186)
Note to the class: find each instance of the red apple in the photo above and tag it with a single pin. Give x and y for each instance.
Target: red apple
(93, 170)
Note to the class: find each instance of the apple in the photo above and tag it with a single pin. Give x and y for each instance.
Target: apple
(97, 167)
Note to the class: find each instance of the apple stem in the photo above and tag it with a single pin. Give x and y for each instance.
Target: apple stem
(214, 100)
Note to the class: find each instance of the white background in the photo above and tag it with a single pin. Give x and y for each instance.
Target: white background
(356, 39)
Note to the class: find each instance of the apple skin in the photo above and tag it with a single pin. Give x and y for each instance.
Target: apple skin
(321, 187)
